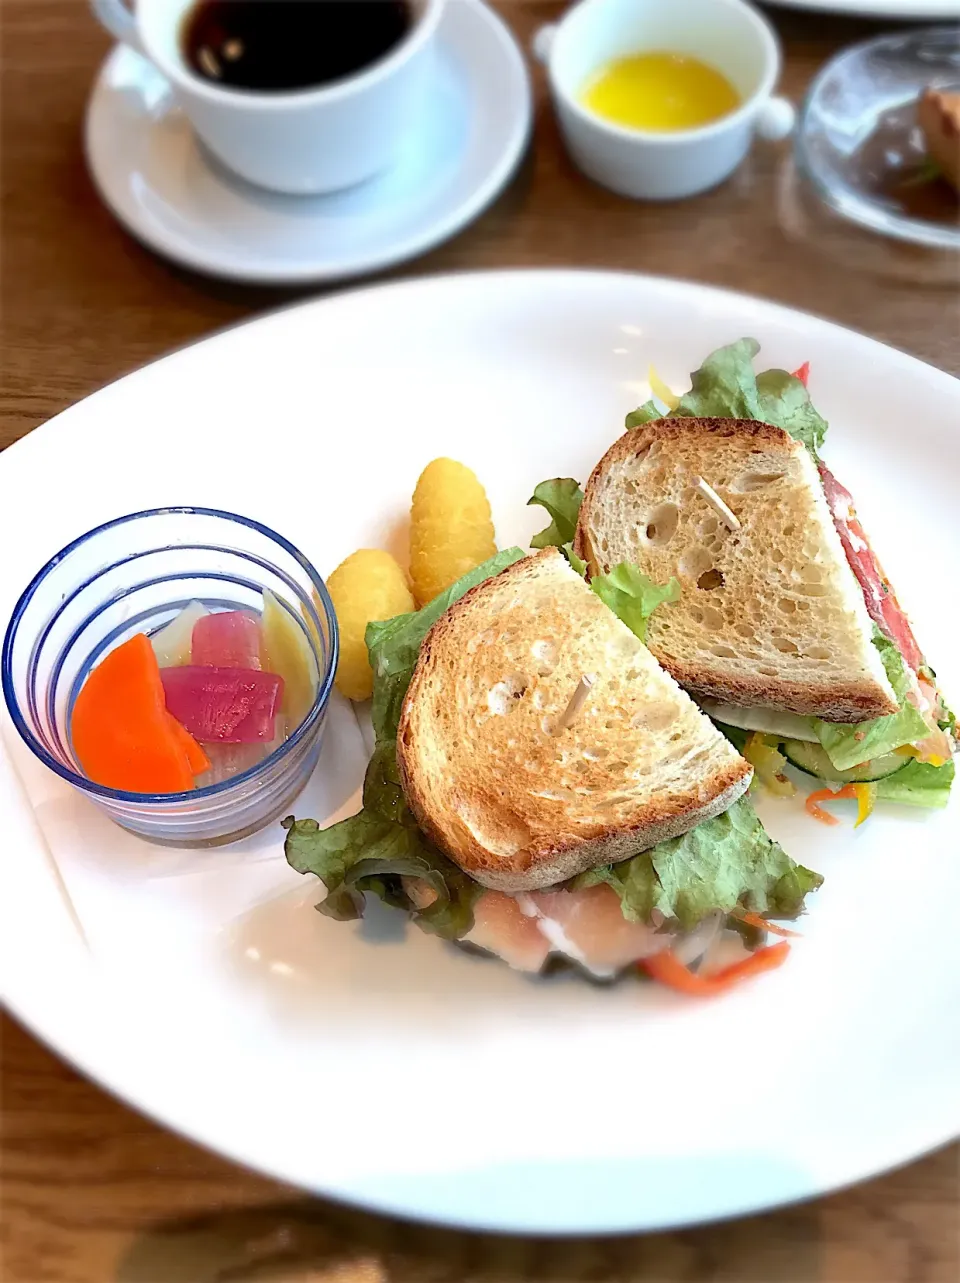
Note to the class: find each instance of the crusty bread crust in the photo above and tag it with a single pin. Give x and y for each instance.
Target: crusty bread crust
(488, 777)
(770, 613)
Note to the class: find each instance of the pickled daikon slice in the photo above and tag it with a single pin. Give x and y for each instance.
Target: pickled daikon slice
(172, 644)
(287, 651)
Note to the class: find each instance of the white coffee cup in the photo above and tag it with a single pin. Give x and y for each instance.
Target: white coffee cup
(301, 142)
(647, 164)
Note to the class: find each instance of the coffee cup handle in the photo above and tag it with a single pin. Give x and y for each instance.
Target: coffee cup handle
(775, 120)
(119, 21)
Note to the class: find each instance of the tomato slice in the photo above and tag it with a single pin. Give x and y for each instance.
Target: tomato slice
(881, 600)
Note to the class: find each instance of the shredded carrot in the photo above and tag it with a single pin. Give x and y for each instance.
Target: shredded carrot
(755, 920)
(803, 374)
(667, 970)
(828, 795)
(120, 729)
(197, 759)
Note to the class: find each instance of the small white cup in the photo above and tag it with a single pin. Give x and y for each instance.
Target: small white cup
(651, 165)
(302, 142)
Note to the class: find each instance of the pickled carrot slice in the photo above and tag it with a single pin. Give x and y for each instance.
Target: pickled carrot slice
(197, 759)
(120, 730)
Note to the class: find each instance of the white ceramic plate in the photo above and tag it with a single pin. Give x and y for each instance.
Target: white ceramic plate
(387, 1068)
(905, 10)
(169, 193)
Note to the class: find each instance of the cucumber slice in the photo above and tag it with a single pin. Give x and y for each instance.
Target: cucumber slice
(812, 759)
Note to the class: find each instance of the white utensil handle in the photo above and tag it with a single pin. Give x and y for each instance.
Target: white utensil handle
(118, 20)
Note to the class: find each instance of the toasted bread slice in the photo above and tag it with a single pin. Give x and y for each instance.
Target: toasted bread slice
(518, 789)
(770, 612)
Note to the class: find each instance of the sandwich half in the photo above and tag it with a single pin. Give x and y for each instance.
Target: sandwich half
(769, 612)
(540, 787)
(783, 623)
(539, 737)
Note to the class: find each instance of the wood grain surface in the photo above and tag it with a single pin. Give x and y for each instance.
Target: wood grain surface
(90, 1192)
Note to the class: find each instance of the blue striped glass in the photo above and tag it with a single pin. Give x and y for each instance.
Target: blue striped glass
(134, 575)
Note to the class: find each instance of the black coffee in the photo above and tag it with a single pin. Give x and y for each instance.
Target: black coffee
(277, 45)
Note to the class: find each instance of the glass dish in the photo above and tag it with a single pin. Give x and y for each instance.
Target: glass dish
(134, 575)
(858, 141)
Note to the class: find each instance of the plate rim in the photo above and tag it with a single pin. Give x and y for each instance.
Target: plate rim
(86, 1061)
(928, 11)
(428, 280)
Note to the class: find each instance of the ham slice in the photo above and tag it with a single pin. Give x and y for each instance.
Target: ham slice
(589, 927)
(501, 927)
(885, 610)
(586, 926)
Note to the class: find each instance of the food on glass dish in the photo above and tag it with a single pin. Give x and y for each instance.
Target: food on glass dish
(228, 639)
(368, 585)
(785, 628)
(210, 711)
(911, 158)
(659, 91)
(173, 644)
(123, 735)
(286, 651)
(451, 530)
(223, 705)
(541, 788)
(938, 115)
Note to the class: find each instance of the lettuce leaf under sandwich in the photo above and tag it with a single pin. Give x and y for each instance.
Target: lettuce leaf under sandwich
(919, 784)
(724, 863)
(371, 852)
(849, 744)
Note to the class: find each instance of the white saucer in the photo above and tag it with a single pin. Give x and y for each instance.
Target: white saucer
(167, 191)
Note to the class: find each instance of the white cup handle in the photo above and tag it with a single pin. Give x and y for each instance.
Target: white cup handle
(119, 21)
(542, 42)
(775, 120)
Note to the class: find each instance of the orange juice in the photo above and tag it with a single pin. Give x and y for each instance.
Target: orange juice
(659, 91)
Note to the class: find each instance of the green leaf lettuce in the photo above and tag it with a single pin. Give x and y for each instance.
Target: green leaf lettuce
(848, 745)
(727, 387)
(629, 593)
(632, 596)
(919, 784)
(562, 497)
(370, 853)
(723, 863)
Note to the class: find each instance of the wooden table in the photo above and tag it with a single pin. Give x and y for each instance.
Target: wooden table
(90, 1191)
